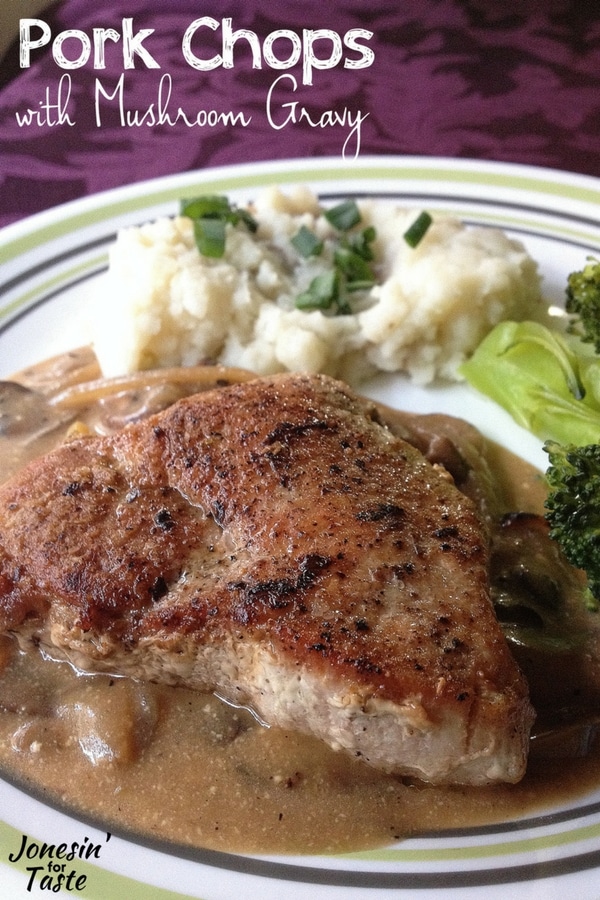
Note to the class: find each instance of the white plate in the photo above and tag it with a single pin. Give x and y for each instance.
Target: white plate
(48, 267)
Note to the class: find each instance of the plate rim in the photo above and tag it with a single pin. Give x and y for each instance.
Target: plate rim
(21, 238)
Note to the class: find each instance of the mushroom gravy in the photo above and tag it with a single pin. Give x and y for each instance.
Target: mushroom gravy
(171, 765)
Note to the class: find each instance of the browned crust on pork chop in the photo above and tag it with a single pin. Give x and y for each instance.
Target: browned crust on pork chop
(273, 542)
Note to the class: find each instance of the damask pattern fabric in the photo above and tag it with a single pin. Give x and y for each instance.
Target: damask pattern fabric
(516, 81)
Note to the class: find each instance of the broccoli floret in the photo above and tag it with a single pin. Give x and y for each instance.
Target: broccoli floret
(573, 508)
(583, 302)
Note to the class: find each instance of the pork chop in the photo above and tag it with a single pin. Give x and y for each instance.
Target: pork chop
(274, 543)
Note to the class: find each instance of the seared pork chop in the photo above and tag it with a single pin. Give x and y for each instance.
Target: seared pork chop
(273, 542)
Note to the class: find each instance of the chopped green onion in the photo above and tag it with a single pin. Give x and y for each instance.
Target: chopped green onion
(361, 243)
(344, 216)
(210, 214)
(353, 286)
(242, 215)
(352, 254)
(307, 243)
(209, 235)
(353, 266)
(322, 293)
(210, 206)
(417, 231)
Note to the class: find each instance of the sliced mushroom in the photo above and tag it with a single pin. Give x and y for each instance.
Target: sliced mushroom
(530, 582)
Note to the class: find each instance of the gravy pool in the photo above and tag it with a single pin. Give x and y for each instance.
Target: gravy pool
(171, 765)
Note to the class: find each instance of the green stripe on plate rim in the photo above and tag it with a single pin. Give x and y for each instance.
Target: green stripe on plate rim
(532, 226)
(100, 884)
(63, 279)
(480, 851)
(230, 182)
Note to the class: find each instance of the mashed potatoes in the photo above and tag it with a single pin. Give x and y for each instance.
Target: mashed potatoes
(163, 304)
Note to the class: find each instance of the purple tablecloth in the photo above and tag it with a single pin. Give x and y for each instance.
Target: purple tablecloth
(516, 81)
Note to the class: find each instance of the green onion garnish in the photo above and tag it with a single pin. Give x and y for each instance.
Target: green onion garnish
(322, 292)
(354, 267)
(242, 215)
(352, 253)
(361, 242)
(209, 207)
(210, 214)
(307, 243)
(210, 237)
(417, 231)
(344, 216)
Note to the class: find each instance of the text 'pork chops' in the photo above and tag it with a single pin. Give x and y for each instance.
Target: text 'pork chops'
(273, 542)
